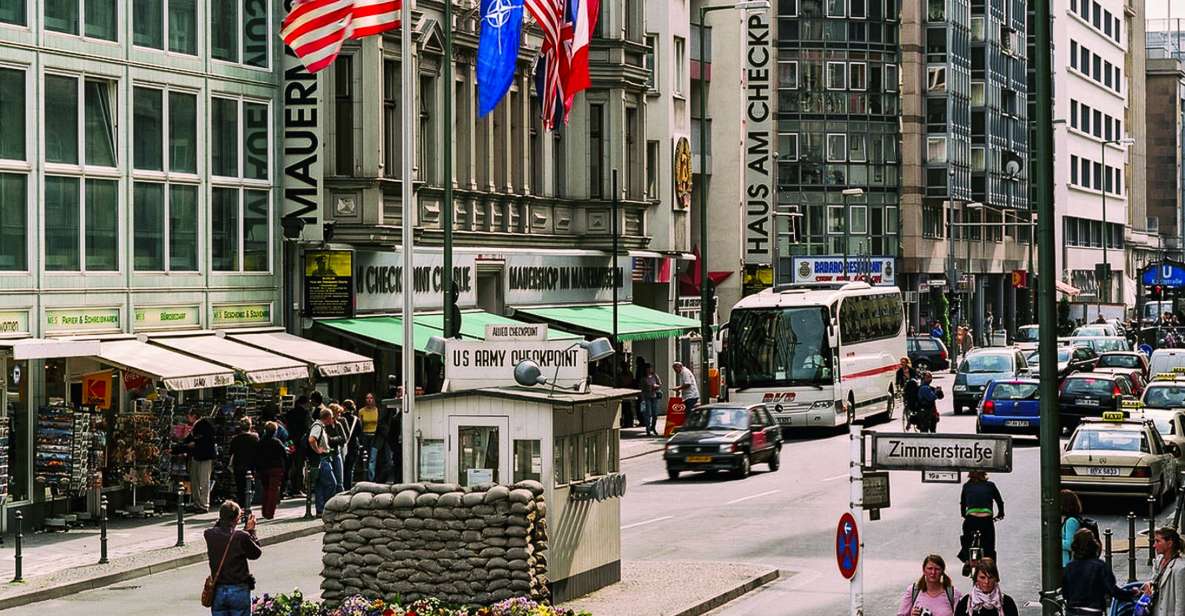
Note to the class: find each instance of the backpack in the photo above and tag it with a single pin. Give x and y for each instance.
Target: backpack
(1091, 525)
(950, 596)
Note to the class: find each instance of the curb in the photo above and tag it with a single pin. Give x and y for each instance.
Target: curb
(167, 564)
(727, 596)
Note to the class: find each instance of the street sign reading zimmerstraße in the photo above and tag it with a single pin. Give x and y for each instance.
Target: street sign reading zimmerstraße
(952, 452)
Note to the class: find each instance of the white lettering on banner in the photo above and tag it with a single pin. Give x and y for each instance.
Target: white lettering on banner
(894, 451)
(566, 279)
(526, 331)
(302, 145)
(759, 189)
(378, 280)
(830, 269)
(478, 364)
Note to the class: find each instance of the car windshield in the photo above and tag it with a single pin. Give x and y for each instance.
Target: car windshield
(1015, 391)
(1119, 361)
(1108, 440)
(1164, 426)
(1102, 345)
(1063, 354)
(1088, 387)
(1165, 397)
(986, 362)
(1026, 334)
(1095, 330)
(779, 347)
(717, 419)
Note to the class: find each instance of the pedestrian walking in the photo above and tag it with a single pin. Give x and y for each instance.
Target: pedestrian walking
(1167, 588)
(199, 444)
(337, 445)
(979, 523)
(1087, 582)
(904, 373)
(1071, 522)
(986, 598)
(685, 385)
(244, 448)
(936, 331)
(933, 592)
(368, 415)
(928, 397)
(651, 394)
(272, 461)
(323, 483)
(298, 421)
(228, 549)
(349, 421)
(393, 440)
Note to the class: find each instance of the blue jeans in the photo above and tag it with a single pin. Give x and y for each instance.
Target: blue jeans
(326, 485)
(649, 414)
(231, 600)
(338, 470)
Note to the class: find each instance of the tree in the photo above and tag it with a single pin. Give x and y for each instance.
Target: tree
(944, 319)
(1064, 326)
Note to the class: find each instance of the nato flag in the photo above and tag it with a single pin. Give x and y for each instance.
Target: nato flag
(497, 50)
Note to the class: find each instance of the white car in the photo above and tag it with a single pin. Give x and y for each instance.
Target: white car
(1117, 456)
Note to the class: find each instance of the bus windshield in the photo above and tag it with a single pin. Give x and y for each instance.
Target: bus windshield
(778, 347)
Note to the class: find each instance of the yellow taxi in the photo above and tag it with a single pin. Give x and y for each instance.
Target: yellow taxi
(1119, 456)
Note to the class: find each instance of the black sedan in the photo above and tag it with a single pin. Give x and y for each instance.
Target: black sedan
(1089, 394)
(927, 353)
(724, 437)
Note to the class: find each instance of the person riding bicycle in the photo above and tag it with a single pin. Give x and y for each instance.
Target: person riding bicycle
(928, 396)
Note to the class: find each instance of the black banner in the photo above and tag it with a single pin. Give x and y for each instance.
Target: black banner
(328, 283)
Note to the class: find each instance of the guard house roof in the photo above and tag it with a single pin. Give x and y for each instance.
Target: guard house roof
(561, 397)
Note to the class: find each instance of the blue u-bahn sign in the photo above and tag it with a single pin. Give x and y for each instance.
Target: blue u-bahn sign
(1168, 273)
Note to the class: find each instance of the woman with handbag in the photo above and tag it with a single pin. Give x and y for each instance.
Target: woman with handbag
(227, 591)
(1167, 590)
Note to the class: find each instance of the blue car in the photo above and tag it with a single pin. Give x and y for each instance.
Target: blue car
(1010, 406)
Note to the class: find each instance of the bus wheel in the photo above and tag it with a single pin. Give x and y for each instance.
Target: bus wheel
(890, 407)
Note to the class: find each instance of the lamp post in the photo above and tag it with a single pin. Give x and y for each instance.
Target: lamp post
(847, 219)
(965, 306)
(1105, 284)
(705, 290)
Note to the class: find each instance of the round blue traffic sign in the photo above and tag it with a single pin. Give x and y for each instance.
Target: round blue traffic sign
(847, 545)
(1146, 349)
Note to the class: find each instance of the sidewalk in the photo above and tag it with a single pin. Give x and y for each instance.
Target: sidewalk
(61, 563)
(635, 443)
(674, 588)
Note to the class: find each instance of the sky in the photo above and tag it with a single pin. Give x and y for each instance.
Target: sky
(1159, 9)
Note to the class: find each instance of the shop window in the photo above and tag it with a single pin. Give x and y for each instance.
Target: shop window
(528, 460)
(13, 12)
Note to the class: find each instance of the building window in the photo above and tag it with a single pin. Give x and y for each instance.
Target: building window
(13, 12)
(858, 76)
(1084, 119)
(652, 163)
(836, 76)
(1084, 172)
(1073, 170)
(343, 114)
(240, 36)
(148, 129)
(891, 78)
(837, 147)
(596, 153)
(651, 62)
(97, 17)
(62, 139)
(836, 8)
(978, 158)
(1074, 54)
(680, 62)
(427, 137)
(240, 212)
(12, 109)
(96, 207)
(1084, 60)
(978, 94)
(1073, 112)
(151, 19)
(936, 150)
(932, 223)
(629, 183)
(788, 75)
(165, 228)
(392, 144)
(788, 147)
(936, 79)
(182, 137)
(977, 29)
(858, 9)
(857, 149)
(1097, 175)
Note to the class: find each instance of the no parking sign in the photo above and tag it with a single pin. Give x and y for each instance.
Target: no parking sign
(847, 545)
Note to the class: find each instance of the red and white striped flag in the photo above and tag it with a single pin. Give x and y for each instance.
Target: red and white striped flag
(553, 55)
(316, 29)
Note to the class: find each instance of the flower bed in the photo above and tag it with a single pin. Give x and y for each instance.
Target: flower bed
(295, 604)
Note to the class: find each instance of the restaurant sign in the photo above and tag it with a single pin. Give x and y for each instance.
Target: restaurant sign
(831, 269)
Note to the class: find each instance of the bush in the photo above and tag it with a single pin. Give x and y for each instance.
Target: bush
(295, 605)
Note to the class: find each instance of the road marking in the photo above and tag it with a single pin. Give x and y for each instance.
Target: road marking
(643, 523)
(745, 498)
(837, 477)
(655, 478)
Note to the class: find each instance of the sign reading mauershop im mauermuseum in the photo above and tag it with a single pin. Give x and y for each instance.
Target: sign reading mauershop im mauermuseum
(972, 452)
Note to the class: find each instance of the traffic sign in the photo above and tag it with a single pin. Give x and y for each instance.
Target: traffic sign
(847, 545)
(876, 490)
(951, 452)
(1146, 349)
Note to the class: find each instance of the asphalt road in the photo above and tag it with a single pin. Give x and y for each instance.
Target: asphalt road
(784, 519)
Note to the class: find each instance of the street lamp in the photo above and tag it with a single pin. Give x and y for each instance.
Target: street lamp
(705, 289)
(848, 192)
(1106, 232)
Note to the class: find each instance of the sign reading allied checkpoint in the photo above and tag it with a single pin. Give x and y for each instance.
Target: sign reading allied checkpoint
(971, 452)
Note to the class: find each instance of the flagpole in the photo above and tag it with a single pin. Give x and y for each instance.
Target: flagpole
(447, 221)
(408, 349)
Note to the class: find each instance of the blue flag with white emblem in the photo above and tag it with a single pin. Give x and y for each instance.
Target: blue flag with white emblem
(497, 51)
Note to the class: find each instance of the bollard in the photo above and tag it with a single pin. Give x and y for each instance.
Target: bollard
(103, 531)
(365, 457)
(180, 518)
(1131, 547)
(308, 493)
(1151, 528)
(1107, 547)
(18, 557)
(249, 489)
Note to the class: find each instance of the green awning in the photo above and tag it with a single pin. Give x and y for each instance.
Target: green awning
(387, 330)
(633, 322)
(473, 324)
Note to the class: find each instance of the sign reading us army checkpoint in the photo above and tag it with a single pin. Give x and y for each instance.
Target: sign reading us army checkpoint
(949, 452)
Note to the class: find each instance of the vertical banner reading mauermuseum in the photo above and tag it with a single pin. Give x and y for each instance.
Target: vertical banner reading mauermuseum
(302, 145)
(759, 189)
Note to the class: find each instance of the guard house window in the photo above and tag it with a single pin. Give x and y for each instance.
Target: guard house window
(81, 192)
(239, 31)
(240, 201)
(152, 19)
(13, 12)
(14, 204)
(528, 460)
(596, 153)
(559, 462)
(97, 17)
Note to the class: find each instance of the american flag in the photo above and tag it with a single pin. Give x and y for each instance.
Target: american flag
(316, 29)
(553, 56)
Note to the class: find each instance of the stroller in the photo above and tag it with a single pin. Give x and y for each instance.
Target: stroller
(1125, 606)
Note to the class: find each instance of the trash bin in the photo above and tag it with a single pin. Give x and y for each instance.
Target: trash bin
(999, 338)
(676, 413)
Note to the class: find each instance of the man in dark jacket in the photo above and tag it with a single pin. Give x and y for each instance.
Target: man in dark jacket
(228, 550)
(271, 462)
(298, 421)
(244, 449)
(202, 451)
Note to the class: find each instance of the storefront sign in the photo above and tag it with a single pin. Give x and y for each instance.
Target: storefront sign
(166, 317)
(329, 283)
(519, 331)
(76, 320)
(96, 389)
(229, 315)
(14, 322)
(479, 364)
(759, 190)
(566, 279)
(378, 280)
(302, 145)
(830, 269)
(975, 452)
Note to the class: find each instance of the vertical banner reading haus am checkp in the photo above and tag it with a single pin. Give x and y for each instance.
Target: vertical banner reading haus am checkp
(759, 186)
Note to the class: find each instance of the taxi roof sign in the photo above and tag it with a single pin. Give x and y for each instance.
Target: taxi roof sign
(1114, 416)
(1173, 376)
(1128, 404)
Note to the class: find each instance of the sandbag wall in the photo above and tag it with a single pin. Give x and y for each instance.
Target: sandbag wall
(464, 546)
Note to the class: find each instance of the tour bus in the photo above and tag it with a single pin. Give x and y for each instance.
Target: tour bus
(812, 351)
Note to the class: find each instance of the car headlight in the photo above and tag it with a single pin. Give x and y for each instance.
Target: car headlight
(672, 449)
(960, 388)
(728, 448)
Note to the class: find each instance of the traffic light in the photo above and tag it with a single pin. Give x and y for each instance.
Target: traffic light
(454, 313)
(1156, 292)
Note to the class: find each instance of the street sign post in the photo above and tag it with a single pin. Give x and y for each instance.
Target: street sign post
(972, 452)
(847, 546)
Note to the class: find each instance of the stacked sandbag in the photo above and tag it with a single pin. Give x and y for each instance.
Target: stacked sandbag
(464, 546)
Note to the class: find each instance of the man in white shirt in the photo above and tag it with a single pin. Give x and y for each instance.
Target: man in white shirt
(326, 482)
(685, 385)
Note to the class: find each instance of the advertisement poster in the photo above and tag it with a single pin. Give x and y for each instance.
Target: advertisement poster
(328, 283)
